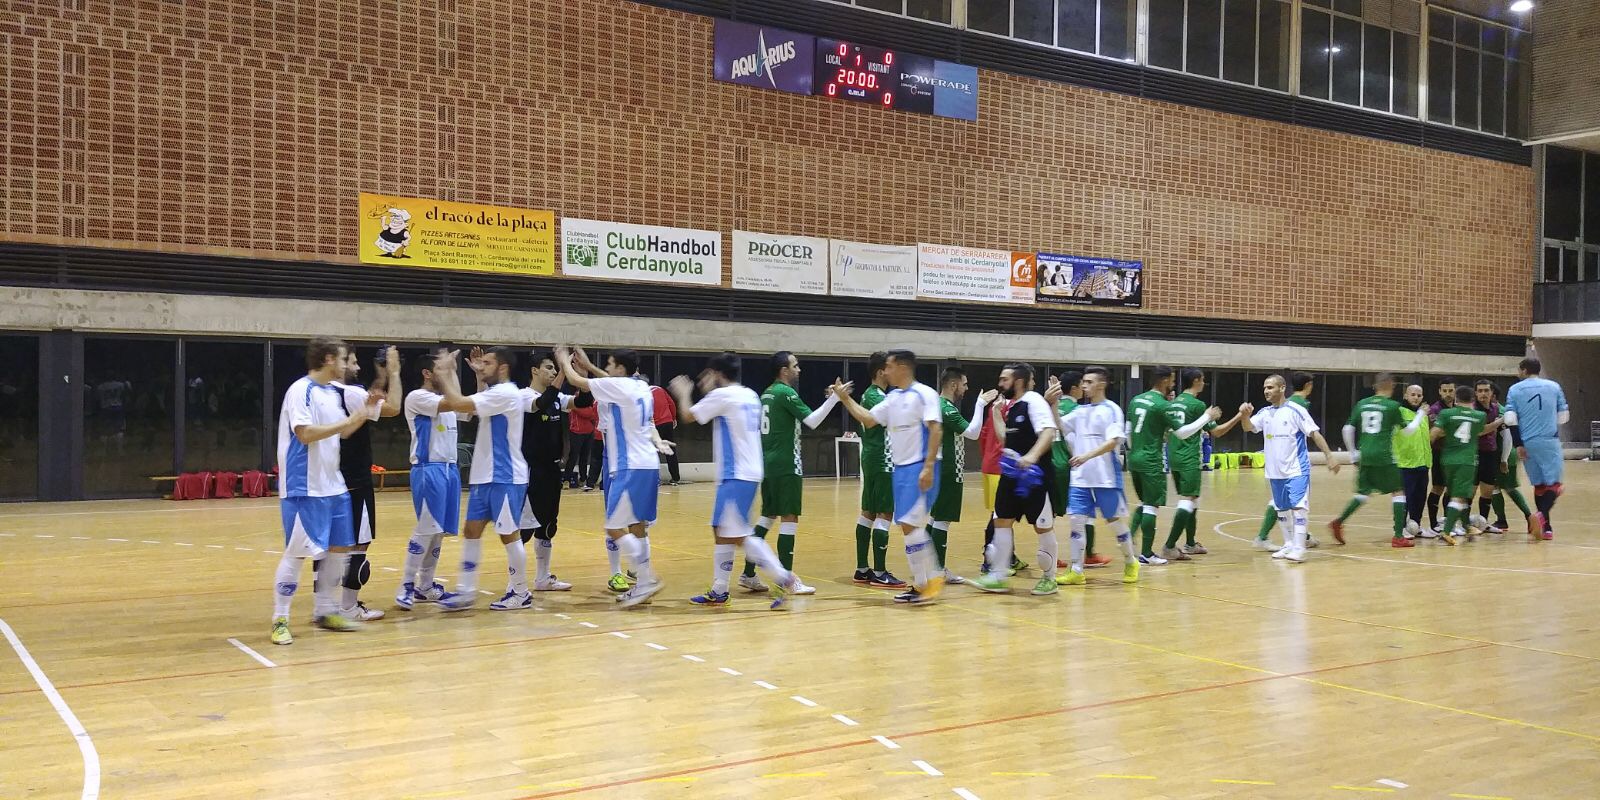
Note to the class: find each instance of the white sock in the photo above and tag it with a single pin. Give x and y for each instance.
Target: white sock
(1047, 553)
(1000, 552)
(1283, 522)
(764, 523)
(1125, 541)
(919, 548)
(762, 555)
(722, 566)
(284, 583)
(430, 561)
(1299, 529)
(613, 556)
(1077, 541)
(542, 549)
(416, 549)
(471, 558)
(330, 574)
(644, 549)
(517, 565)
(634, 548)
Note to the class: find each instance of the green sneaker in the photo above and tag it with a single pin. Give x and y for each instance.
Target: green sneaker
(1130, 572)
(1017, 565)
(618, 583)
(337, 622)
(1045, 586)
(990, 583)
(280, 631)
(1070, 578)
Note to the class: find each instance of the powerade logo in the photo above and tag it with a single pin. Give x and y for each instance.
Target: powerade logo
(764, 59)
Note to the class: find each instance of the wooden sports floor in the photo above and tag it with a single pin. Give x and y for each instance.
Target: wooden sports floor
(1467, 672)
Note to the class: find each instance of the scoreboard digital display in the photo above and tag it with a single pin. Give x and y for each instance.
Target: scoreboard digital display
(856, 72)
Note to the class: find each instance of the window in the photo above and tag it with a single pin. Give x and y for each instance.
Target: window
(1403, 68)
(1441, 82)
(127, 415)
(1344, 57)
(990, 16)
(1166, 33)
(1316, 47)
(1475, 75)
(1375, 52)
(1272, 54)
(1563, 194)
(1076, 24)
(19, 417)
(222, 406)
(1033, 20)
(1203, 38)
(1239, 23)
(1119, 24)
(1361, 61)
(1571, 186)
(934, 10)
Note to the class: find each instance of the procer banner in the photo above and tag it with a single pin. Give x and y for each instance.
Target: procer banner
(883, 271)
(412, 232)
(970, 273)
(767, 263)
(616, 250)
(1090, 281)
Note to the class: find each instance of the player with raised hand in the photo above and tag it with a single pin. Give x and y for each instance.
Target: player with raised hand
(1369, 436)
(1286, 427)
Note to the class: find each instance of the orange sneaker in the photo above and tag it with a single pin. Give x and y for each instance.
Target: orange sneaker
(1401, 541)
(1097, 560)
(1336, 528)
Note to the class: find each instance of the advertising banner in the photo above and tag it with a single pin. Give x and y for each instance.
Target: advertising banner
(769, 58)
(412, 232)
(595, 249)
(767, 263)
(857, 269)
(969, 273)
(1090, 281)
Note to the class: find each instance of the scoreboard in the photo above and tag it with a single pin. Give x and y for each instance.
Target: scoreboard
(856, 72)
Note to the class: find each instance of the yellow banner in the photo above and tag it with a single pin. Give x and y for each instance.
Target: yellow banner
(410, 232)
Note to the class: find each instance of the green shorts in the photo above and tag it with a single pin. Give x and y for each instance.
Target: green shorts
(947, 506)
(1186, 482)
(1508, 479)
(781, 495)
(1460, 480)
(877, 492)
(1150, 486)
(1377, 478)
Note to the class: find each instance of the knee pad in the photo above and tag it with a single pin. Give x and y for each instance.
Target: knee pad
(527, 534)
(545, 533)
(359, 572)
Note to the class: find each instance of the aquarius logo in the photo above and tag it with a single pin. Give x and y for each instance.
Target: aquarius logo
(764, 59)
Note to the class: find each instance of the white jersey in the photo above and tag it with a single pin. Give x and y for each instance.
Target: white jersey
(1087, 428)
(1285, 428)
(497, 456)
(735, 414)
(309, 470)
(626, 409)
(433, 432)
(906, 414)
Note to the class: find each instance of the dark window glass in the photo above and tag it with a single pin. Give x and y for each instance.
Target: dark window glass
(1205, 38)
(1591, 200)
(1034, 20)
(816, 375)
(127, 409)
(1346, 59)
(1516, 104)
(222, 425)
(1441, 25)
(1314, 51)
(1226, 389)
(1118, 26)
(1468, 32)
(1319, 3)
(1494, 39)
(1441, 82)
(1569, 265)
(1405, 74)
(1591, 265)
(1494, 94)
(881, 5)
(1239, 41)
(1075, 24)
(1466, 88)
(1273, 57)
(694, 441)
(1514, 40)
(1375, 68)
(1563, 187)
(1337, 394)
(1552, 264)
(1166, 33)
(1351, 7)
(992, 16)
(19, 417)
(936, 10)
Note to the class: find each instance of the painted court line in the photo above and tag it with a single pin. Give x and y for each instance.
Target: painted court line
(588, 625)
(240, 549)
(44, 536)
(765, 685)
(147, 541)
(563, 616)
(1395, 784)
(91, 758)
(730, 671)
(621, 635)
(124, 540)
(251, 653)
(1362, 789)
(803, 701)
(928, 768)
(1127, 777)
(965, 795)
(887, 742)
(183, 544)
(85, 539)
(846, 720)
(695, 659)
(210, 546)
(654, 646)
(1244, 783)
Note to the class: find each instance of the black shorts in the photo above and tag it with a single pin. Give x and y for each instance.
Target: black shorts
(363, 513)
(1438, 469)
(1039, 507)
(1489, 467)
(543, 505)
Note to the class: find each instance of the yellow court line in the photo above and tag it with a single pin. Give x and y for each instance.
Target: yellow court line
(1362, 789)
(1021, 774)
(1480, 797)
(1245, 783)
(1479, 714)
(1128, 777)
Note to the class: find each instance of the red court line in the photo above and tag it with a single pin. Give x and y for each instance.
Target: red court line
(995, 721)
(472, 646)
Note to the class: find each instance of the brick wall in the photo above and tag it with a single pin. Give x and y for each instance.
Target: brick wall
(239, 127)
(1566, 69)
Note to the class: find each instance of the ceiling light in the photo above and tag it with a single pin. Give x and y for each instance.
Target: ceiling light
(1522, 6)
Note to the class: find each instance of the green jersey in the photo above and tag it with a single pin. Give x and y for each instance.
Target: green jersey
(1059, 454)
(1462, 426)
(782, 410)
(1147, 429)
(954, 446)
(1303, 402)
(1183, 410)
(1375, 420)
(874, 441)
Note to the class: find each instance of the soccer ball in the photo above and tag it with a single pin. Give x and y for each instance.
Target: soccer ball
(1412, 528)
(1478, 522)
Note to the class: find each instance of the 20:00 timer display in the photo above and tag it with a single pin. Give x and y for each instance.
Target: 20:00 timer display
(855, 72)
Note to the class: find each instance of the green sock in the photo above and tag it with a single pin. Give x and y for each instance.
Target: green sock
(786, 550)
(1399, 505)
(941, 537)
(1267, 523)
(1452, 515)
(1497, 501)
(1189, 532)
(1088, 541)
(1522, 503)
(749, 567)
(1350, 507)
(1149, 538)
(1179, 525)
(863, 545)
(880, 549)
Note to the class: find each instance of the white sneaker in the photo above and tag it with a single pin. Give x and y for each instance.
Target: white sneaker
(1283, 551)
(432, 594)
(1429, 533)
(1296, 555)
(1311, 542)
(360, 613)
(1264, 544)
(512, 601)
(549, 584)
(402, 598)
(753, 583)
(640, 594)
(1152, 561)
(800, 587)
(953, 579)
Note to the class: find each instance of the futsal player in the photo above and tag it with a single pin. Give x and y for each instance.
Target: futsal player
(1286, 426)
(1189, 419)
(1457, 432)
(544, 431)
(1147, 435)
(1413, 453)
(1027, 427)
(355, 464)
(1536, 407)
(1494, 452)
(877, 489)
(1071, 383)
(735, 414)
(1302, 384)
(1095, 429)
(435, 486)
(1369, 435)
(1506, 483)
(952, 465)
(1436, 493)
(313, 502)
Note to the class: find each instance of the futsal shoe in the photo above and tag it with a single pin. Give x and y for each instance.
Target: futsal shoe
(1336, 528)
(618, 583)
(908, 596)
(1264, 544)
(1497, 528)
(432, 594)
(1045, 586)
(1282, 551)
(549, 584)
(360, 613)
(402, 598)
(780, 594)
(1412, 528)
(1536, 526)
(1311, 542)
(1130, 572)
(800, 587)
(1547, 534)
(1017, 565)
(1174, 554)
(1295, 555)
(710, 598)
(1071, 578)
(1401, 541)
(953, 579)
(752, 583)
(991, 583)
(931, 588)
(457, 601)
(863, 577)
(280, 631)
(1196, 549)
(886, 580)
(512, 601)
(640, 594)
(337, 622)
(1097, 560)
(1447, 538)
(1152, 560)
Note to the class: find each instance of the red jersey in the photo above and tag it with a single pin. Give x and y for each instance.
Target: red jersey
(583, 421)
(666, 411)
(988, 443)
